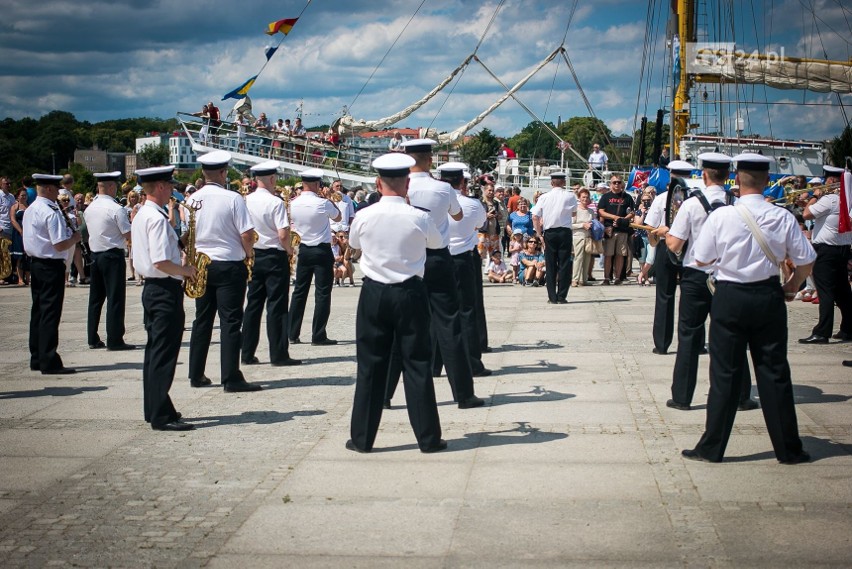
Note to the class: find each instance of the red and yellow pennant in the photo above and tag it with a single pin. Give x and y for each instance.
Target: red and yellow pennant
(283, 26)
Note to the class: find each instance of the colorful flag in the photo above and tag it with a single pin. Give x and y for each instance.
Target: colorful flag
(283, 26)
(844, 224)
(241, 91)
(269, 51)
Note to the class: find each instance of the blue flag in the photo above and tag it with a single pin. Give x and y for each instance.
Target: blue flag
(270, 51)
(241, 91)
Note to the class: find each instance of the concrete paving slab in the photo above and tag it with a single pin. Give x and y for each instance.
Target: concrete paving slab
(34, 473)
(64, 443)
(230, 561)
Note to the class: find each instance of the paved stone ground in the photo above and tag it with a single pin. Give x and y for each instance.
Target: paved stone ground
(574, 462)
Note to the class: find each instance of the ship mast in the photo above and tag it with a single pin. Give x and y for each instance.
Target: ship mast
(683, 16)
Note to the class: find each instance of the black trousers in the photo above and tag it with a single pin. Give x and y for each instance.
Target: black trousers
(270, 287)
(389, 314)
(225, 294)
(315, 262)
(666, 274)
(162, 303)
(481, 321)
(107, 284)
(47, 285)
(832, 284)
(559, 248)
(693, 310)
(467, 265)
(750, 316)
(445, 329)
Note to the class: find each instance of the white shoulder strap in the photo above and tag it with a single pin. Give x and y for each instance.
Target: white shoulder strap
(756, 232)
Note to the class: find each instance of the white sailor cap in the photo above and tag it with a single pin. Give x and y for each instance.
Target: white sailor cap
(267, 168)
(393, 165)
(680, 167)
(832, 170)
(418, 145)
(815, 181)
(557, 175)
(311, 175)
(107, 176)
(155, 174)
(466, 175)
(215, 160)
(47, 179)
(752, 161)
(714, 160)
(452, 170)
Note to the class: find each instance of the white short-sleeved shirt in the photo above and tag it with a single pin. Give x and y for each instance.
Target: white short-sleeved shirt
(556, 208)
(393, 238)
(268, 214)
(311, 216)
(220, 222)
(6, 202)
(154, 241)
(690, 221)
(726, 240)
(826, 212)
(347, 212)
(656, 213)
(598, 159)
(463, 235)
(44, 227)
(107, 223)
(438, 197)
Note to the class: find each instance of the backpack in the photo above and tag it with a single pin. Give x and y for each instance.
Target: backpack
(708, 209)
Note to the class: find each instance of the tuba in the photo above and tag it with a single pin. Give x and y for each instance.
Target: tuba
(5, 258)
(295, 239)
(195, 288)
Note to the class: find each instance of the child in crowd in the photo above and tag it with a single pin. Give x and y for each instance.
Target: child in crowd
(532, 263)
(515, 248)
(497, 270)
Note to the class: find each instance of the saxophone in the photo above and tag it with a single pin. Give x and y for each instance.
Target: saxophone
(195, 288)
(5, 258)
(295, 238)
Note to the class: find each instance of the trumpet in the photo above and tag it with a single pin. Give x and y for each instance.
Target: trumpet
(791, 196)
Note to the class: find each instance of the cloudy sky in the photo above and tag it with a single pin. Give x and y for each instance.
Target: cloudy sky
(102, 59)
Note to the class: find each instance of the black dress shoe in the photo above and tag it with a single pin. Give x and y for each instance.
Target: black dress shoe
(679, 406)
(563, 301)
(250, 361)
(659, 352)
(121, 348)
(842, 336)
(692, 454)
(387, 404)
(59, 371)
(471, 402)
(351, 446)
(484, 372)
(97, 345)
(173, 426)
(486, 350)
(551, 301)
(748, 405)
(294, 341)
(442, 445)
(797, 458)
(241, 387)
(203, 381)
(814, 339)
(287, 362)
(35, 367)
(847, 363)
(326, 342)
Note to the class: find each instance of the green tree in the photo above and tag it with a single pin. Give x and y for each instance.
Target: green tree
(153, 155)
(840, 147)
(535, 141)
(84, 181)
(480, 150)
(582, 133)
(649, 143)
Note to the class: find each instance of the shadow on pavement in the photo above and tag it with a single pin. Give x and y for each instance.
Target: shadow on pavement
(807, 394)
(521, 435)
(50, 392)
(536, 394)
(818, 448)
(111, 367)
(540, 345)
(328, 360)
(598, 301)
(540, 367)
(250, 417)
(308, 381)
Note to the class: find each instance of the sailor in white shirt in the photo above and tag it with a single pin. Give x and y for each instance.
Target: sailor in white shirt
(393, 308)
(224, 232)
(311, 214)
(48, 235)
(156, 257)
(748, 312)
(344, 205)
(831, 275)
(440, 201)
(665, 271)
(109, 230)
(598, 161)
(552, 216)
(695, 297)
(270, 283)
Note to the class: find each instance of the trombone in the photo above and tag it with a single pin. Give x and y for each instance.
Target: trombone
(793, 195)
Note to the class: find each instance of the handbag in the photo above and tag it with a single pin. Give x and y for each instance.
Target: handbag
(593, 247)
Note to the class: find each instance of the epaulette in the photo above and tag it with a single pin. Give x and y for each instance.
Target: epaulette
(421, 208)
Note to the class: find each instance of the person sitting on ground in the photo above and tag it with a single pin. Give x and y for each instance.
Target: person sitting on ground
(497, 270)
(532, 263)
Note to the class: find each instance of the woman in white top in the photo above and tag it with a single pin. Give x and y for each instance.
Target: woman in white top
(580, 227)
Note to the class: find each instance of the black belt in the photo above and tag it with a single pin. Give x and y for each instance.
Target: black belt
(323, 245)
(269, 252)
(412, 281)
(828, 245)
(442, 252)
(48, 261)
(770, 282)
(113, 250)
(163, 281)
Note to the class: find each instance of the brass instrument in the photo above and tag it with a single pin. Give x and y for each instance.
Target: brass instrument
(5, 258)
(336, 197)
(791, 196)
(249, 260)
(195, 288)
(295, 238)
